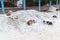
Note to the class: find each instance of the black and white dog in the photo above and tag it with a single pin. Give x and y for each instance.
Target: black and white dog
(47, 22)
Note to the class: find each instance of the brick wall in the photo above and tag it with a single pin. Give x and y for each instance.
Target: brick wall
(6, 0)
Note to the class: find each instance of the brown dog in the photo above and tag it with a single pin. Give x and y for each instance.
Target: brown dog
(8, 14)
(30, 22)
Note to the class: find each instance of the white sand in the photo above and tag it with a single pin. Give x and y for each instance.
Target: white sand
(17, 29)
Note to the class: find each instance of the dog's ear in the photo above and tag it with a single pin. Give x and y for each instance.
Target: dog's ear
(54, 16)
(33, 21)
(43, 21)
(57, 9)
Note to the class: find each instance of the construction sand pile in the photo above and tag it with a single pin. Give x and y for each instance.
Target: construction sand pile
(15, 27)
